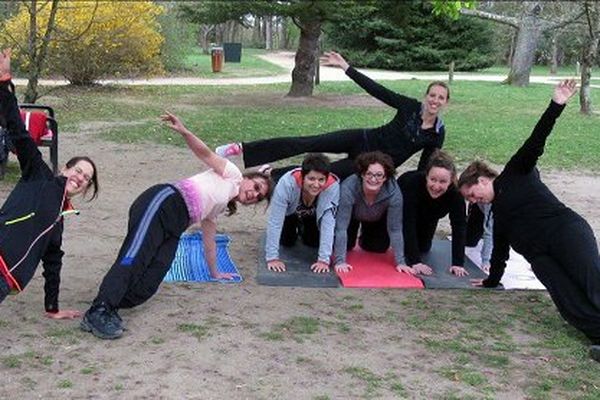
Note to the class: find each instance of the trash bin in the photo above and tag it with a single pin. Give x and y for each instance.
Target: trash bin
(216, 56)
(233, 52)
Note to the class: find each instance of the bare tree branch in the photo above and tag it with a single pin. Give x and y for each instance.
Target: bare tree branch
(84, 31)
(503, 19)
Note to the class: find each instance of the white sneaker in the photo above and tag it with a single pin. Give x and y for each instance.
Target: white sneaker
(229, 150)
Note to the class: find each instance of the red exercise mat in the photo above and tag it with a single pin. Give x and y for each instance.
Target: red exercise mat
(376, 270)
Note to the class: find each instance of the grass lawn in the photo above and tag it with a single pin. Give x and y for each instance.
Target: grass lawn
(199, 65)
(538, 70)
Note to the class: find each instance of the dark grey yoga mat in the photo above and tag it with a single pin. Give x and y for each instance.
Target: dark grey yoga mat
(298, 260)
(440, 258)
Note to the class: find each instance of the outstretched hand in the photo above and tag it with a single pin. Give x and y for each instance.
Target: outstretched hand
(564, 91)
(224, 276)
(333, 59)
(64, 314)
(5, 64)
(173, 122)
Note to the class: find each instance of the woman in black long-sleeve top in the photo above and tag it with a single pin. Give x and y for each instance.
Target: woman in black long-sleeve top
(429, 196)
(31, 218)
(557, 242)
(416, 126)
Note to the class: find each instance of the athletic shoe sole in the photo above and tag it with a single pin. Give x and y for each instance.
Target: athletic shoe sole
(595, 352)
(87, 327)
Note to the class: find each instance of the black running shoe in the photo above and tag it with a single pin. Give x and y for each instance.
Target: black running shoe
(595, 352)
(100, 320)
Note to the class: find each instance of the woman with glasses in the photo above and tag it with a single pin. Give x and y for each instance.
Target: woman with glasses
(429, 196)
(31, 218)
(370, 200)
(157, 218)
(303, 205)
(416, 126)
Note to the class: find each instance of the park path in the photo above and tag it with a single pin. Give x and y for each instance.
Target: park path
(285, 59)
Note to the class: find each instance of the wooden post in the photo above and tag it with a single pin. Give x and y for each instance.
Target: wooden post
(318, 64)
(451, 72)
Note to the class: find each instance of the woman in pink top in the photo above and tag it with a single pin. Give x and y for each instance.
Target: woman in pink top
(157, 218)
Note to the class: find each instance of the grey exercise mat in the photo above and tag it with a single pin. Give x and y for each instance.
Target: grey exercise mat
(298, 260)
(440, 258)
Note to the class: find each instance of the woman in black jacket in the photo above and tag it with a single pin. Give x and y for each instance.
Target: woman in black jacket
(31, 218)
(416, 126)
(429, 196)
(557, 242)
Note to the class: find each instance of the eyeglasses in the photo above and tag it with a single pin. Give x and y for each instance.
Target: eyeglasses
(79, 171)
(259, 195)
(376, 175)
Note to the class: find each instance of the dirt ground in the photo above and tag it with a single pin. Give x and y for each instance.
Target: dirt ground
(165, 353)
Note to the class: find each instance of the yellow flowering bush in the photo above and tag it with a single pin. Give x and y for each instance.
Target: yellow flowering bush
(94, 39)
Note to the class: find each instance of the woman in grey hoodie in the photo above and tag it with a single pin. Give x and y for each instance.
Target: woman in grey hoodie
(304, 204)
(370, 200)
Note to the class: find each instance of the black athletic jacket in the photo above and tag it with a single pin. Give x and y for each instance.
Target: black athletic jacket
(31, 218)
(421, 210)
(402, 136)
(526, 213)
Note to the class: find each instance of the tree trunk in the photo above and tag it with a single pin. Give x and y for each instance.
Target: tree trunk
(528, 36)
(303, 73)
(31, 94)
(204, 37)
(511, 49)
(284, 35)
(588, 59)
(554, 55)
(585, 101)
(235, 32)
(256, 34)
(269, 32)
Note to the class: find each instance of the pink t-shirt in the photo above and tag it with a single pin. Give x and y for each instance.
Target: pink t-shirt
(206, 194)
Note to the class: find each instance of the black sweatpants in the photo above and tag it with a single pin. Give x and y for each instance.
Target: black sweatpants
(349, 141)
(4, 289)
(474, 225)
(305, 228)
(425, 232)
(157, 218)
(373, 235)
(571, 272)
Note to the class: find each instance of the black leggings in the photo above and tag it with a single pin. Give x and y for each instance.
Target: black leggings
(349, 141)
(474, 225)
(571, 272)
(373, 235)
(4, 289)
(306, 228)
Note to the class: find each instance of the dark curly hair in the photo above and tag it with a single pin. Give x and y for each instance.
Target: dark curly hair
(375, 157)
(316, 162)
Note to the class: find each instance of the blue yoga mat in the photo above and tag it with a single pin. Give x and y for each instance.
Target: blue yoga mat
(190, 265)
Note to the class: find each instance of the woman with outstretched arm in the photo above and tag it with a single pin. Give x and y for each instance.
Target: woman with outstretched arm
(416, 126)
(32, 217)
(557, 242)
